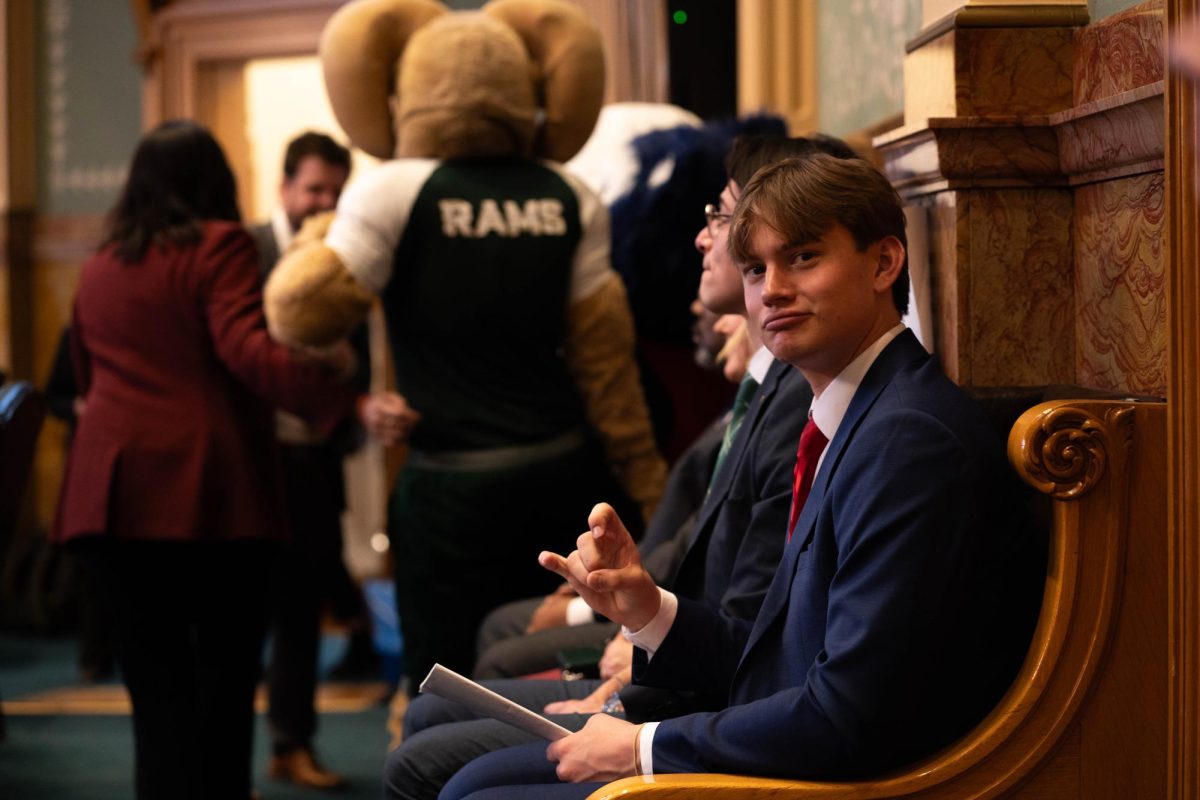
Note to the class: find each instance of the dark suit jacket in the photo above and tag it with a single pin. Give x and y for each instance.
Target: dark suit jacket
(742, 526)
(899, 613)
(173, 358)
(670, 527)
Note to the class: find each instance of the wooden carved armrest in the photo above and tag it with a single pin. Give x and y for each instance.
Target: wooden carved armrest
(1076, 452)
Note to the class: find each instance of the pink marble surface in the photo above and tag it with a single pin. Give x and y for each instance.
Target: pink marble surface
(1020, 301)
(1120, 52)
(1120, 284)
(1118, 131)
(1013, 70)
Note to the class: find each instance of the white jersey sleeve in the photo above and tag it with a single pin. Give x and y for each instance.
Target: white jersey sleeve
(592, 264)
(372, 215)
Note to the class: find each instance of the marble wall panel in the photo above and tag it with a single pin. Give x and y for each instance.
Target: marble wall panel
(1119, 53)
(978, 148)
(1121, 131)
(1120, 277)
(1013, 70)
(1020, 302)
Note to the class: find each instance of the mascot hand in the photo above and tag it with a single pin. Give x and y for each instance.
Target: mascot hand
(311, 300)
(313, 229)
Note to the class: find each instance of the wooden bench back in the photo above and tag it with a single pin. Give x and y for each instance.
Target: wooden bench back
(1086, 716)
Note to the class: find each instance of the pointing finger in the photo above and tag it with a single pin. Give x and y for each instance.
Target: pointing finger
(554, 562)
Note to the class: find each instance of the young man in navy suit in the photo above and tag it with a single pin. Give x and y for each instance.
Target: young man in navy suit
(904, 601)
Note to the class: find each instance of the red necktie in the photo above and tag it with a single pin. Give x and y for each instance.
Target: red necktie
(812, 444)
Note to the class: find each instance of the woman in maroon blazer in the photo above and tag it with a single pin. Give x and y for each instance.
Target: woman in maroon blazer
(172, 490)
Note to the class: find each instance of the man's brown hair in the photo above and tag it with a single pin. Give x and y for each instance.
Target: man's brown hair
(802, 198)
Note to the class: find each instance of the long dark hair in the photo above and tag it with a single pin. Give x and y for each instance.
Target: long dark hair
(178, 178)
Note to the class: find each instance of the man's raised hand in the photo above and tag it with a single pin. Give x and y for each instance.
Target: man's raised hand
(606, 569)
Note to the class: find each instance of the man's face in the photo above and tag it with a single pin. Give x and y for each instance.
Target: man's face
(315, 187)
(819, 304)
(720, 283)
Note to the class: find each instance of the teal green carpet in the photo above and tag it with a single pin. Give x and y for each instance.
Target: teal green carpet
(90, 757)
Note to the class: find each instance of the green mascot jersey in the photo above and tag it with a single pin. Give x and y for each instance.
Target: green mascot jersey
(476, 262)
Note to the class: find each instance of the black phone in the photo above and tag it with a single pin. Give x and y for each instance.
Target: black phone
(582, 662)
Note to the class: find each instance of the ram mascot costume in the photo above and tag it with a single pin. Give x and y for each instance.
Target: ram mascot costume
(511, 334)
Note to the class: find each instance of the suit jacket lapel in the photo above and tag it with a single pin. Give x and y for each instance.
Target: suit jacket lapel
(737, 451)
(901, 351)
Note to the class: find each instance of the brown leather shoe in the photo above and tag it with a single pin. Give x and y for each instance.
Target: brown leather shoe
(300, 767)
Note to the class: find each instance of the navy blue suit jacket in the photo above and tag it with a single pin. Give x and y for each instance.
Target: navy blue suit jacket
(740, 530)
(899, 613)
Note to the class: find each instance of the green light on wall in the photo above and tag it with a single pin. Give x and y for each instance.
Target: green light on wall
(680, 17)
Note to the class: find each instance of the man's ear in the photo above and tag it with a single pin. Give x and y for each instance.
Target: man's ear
(891, 260)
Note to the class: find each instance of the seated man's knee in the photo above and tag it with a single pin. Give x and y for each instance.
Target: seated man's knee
(427, 710)
(406, 775)
(506, 658)
(504, 622)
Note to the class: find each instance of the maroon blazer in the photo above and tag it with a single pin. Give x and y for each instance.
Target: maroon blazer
(181, 378)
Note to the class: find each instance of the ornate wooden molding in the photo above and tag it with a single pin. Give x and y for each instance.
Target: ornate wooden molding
(1064, 452)
(1183, 416)
(195, 35)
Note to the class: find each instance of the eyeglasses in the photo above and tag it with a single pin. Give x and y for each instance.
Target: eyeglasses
(714, 219)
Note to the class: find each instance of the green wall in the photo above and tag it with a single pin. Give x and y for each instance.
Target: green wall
(1099, 9)
(89, 105)
(860, 47)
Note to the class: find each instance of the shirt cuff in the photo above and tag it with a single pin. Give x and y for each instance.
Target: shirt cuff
(651, 637)
(646, 747)
(579, 612)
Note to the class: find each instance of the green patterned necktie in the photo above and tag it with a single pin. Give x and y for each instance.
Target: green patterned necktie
(741, 402)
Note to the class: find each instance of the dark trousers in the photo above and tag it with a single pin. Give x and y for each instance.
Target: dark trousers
(190, 619)
(295, 640)
(308, 572)
(466, 542)
(441, 736)
(506, 651)
(515, 773)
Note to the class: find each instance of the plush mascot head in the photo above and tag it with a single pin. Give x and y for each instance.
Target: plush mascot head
(410, 78)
